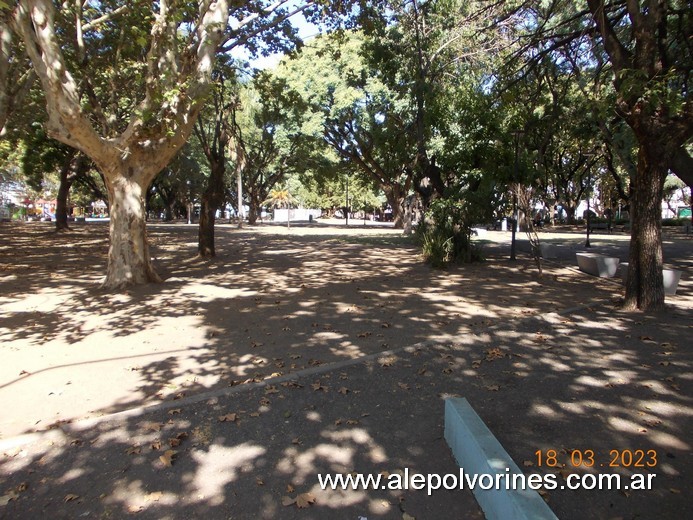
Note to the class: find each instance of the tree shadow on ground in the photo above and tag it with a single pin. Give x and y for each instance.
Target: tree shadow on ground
(563, 384)
(267, 304)
(596, 379)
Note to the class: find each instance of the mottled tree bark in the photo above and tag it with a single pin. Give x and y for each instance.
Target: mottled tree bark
(645, 286)
(129, 261)
(212, 198)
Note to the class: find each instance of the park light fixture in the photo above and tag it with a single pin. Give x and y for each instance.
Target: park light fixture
(517, 134)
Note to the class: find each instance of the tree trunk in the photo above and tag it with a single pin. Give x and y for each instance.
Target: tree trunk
(61, 199)
(129, 262)
(253, 209)
(570, 213)
(395, 199)
(645, 286)
(211, 200)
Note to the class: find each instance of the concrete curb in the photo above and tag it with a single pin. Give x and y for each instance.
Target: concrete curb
(57, 435)
(478, 453)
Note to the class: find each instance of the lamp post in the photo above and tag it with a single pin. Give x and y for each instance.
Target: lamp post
(346, 208)
(517, 134)
(589, 186)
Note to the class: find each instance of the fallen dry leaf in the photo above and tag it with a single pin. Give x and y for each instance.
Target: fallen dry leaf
(344, 390)
(403, 386)
(304, 500)
(152, 426)
(155, 496)
(317, 386)
(70, 497)
(133, 450)
(167, 457)
(493, 388)
(289, 488)
(494, 353)
(5, 499)
(156, 445)
(229, 417)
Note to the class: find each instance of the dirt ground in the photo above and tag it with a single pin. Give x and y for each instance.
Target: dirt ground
(548, 362)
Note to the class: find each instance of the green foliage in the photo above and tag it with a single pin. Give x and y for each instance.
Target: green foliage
(669, 222)
(446, 232)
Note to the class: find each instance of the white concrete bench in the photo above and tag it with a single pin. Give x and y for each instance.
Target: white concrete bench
(671, 277)
(597, 265)
(548, 251)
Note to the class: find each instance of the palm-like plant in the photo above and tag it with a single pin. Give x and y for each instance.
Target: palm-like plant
(281, 199)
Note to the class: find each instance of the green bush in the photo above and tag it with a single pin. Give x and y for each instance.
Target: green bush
(674, 221)
(445, 235)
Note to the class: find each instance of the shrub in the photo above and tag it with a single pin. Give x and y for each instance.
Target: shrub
(445, 235)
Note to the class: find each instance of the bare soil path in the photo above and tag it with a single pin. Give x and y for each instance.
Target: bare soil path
(276, 302)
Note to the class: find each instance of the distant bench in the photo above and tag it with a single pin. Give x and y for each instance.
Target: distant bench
(600, 225)
(597, 265)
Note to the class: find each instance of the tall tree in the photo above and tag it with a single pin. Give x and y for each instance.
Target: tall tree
(267, 141)
(648, 47)
(354, 113)
(644, 45)
(82, 51)
(175, 84)
(214, 132)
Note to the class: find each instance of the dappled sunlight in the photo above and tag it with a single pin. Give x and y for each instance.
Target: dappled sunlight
(220, 466)
(276, 303)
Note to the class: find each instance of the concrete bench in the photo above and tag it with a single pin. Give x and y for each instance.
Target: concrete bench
(671, 277)
(600, 225)
(548, 251)
(597, 265)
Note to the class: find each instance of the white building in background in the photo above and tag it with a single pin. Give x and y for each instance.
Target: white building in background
(279, 214)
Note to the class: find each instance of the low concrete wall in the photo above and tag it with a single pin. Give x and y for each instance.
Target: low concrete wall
(478, 452)
(671, 278)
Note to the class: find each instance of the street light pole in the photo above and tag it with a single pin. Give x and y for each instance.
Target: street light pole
(517, 134)
(589, 184)
(346, 208)
(589, 180)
